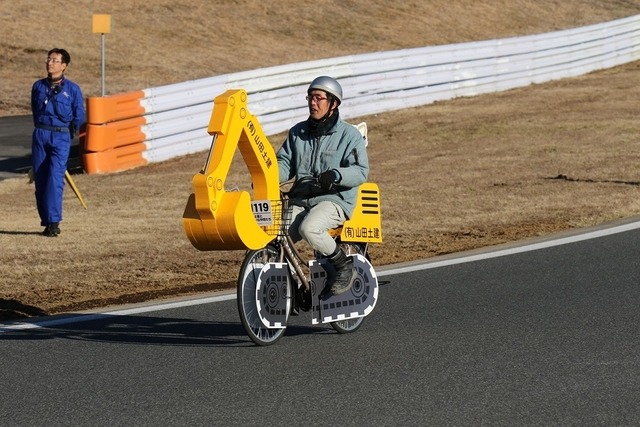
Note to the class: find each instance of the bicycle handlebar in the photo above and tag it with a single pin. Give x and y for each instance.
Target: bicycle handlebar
(311, 181)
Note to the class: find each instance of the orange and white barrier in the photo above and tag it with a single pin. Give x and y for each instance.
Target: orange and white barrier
(135, 128)
(114, 139)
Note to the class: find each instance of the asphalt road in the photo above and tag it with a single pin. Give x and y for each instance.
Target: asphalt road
(542, 337)
(15, 147)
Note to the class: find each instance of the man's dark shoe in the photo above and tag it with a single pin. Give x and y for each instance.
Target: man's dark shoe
(51, 230)
(344, 275)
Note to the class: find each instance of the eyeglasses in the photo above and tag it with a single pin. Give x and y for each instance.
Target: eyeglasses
(55, 61)
(316, 98)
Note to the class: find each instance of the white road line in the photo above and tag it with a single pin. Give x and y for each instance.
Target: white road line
(89, 316)
(514, 250)
(426, 265)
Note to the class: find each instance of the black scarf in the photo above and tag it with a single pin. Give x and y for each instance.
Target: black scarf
(53, 82)
(322, 126)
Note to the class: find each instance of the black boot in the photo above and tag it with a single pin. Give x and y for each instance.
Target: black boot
(51, 230)
(345, 274)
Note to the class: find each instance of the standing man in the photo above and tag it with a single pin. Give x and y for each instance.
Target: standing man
(333, 151)
(58, 112)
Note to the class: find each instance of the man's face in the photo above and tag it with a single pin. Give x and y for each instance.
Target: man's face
(318, 104)
(55, 67)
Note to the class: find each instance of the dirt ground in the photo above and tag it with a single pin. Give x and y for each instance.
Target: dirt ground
(455, 175)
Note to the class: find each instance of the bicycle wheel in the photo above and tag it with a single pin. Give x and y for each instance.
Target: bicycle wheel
(350, 325)
(347, 326)
(247, 305)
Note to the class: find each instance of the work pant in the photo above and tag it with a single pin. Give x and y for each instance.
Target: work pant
(49, 153)
(313, 224)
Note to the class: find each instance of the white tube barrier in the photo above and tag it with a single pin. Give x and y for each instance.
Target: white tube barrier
(177, 115)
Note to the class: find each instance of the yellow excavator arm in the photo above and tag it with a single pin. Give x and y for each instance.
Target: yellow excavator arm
(215, 219)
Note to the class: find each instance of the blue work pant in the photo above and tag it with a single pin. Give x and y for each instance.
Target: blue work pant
(49, 154)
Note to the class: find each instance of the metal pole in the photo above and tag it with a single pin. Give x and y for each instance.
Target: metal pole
(102, 25)
(103, 90)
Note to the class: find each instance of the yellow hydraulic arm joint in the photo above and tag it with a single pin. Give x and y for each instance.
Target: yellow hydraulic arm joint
(215, 219)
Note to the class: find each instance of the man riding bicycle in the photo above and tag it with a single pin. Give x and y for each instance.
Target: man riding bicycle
(333, 151)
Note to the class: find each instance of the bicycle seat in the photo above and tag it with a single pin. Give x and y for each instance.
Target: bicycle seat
(335, 232)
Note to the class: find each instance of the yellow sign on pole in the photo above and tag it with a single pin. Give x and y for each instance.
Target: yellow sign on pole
(102, 24)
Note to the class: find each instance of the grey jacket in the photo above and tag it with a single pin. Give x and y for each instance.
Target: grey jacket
(341, 148)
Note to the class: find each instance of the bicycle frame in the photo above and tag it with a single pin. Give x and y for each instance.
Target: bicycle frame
(273, 284)
(288, 250)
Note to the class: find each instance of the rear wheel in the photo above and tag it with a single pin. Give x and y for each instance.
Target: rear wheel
(247, 304)
(350, 325)
(347, 326)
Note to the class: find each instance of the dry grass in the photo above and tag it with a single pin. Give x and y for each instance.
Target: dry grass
(454, 175)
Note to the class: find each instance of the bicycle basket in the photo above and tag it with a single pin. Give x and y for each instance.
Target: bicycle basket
(281, 216)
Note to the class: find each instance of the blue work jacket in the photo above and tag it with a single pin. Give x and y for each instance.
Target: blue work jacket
(62, 109)
(341, 148)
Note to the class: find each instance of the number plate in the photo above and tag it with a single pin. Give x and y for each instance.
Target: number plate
(262, 212)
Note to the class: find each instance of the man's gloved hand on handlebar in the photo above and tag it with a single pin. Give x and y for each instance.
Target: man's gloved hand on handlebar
(328, 178)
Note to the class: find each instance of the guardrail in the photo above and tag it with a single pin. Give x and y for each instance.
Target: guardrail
(134, 128)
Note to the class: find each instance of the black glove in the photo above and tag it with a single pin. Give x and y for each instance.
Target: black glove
(327, 179)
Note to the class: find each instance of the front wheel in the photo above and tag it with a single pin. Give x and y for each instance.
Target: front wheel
(253, 262)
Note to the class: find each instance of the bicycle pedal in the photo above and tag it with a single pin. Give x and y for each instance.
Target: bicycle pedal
(307, 301)
(304, 299)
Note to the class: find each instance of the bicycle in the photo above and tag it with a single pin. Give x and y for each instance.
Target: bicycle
(277, 281)
(274, 281)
